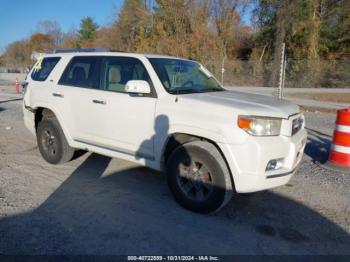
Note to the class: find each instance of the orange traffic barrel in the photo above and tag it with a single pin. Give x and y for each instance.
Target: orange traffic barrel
(339, 155)
(17, 86)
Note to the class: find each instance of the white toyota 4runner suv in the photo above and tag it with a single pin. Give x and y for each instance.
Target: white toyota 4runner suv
(167, 113)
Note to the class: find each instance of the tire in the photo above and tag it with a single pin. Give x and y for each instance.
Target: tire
(198, 177)
(52, 143)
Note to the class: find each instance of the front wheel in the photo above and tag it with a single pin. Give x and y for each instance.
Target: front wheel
(52, 143)
(198, 177)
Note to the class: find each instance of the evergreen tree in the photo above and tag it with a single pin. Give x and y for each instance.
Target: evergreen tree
(87, 32)
(133, 19)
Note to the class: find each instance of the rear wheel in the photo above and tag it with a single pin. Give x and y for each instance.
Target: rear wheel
(52, 143)
(198, 177)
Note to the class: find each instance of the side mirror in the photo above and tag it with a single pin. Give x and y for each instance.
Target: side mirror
(137, 87)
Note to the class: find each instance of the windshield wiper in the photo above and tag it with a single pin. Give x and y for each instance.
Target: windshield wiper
(212, 89)
(183, 91)
(187, 91)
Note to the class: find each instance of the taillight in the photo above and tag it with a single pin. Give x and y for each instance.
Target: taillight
(24, 87)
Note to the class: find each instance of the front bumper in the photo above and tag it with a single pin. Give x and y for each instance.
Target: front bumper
(248, 161)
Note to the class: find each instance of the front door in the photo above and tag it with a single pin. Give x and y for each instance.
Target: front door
(101, 113)
(130, 117)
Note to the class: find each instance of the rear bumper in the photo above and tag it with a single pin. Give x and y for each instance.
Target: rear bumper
(29, 119)
(248, 161)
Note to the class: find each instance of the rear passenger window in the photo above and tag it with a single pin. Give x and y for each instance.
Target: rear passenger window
(42, 70)
(82, 71)
(117, 71)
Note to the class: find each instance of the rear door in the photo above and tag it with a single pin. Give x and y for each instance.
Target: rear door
(79, 89)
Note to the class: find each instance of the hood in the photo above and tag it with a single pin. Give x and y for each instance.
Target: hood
(247, 103)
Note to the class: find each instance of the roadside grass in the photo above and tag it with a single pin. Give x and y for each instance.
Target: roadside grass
(317, 109)
(329, 97)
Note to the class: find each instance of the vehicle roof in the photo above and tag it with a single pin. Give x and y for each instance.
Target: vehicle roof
(136, 55)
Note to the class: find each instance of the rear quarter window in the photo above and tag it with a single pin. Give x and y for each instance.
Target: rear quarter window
(47, 65)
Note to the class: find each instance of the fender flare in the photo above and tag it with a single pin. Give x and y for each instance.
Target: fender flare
(59, 119)
(214, 137)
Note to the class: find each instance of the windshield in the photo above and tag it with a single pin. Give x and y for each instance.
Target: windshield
(184, 76)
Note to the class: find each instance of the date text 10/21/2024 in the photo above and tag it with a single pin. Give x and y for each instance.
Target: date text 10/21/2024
(173, 258)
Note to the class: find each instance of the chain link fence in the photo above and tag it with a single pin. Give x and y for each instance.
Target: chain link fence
(299, 73)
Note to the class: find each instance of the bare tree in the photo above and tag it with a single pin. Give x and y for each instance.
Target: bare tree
(51, 28)
(226, 19)
(17, 55)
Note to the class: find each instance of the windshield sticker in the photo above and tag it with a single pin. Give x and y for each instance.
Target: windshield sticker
(37, 65)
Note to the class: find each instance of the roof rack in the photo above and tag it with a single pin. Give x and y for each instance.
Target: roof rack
(77, 50)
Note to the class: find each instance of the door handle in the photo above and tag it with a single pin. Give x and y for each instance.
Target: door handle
(57, 95)
(102, 102)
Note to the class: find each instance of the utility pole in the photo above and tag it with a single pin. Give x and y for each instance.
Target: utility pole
(282, 72)
(223, 70)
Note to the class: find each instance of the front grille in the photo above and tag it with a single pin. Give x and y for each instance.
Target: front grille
(297, 124)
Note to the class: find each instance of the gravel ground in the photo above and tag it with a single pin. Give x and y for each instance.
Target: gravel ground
(320, 122)
(98, 205)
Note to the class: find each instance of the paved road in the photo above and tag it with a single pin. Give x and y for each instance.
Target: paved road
(302, 102)
(270, 90)
(9, 92)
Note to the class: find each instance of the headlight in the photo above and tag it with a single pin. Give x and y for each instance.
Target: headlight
(260, 126)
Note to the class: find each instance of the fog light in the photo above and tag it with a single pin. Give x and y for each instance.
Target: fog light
(274, 164)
